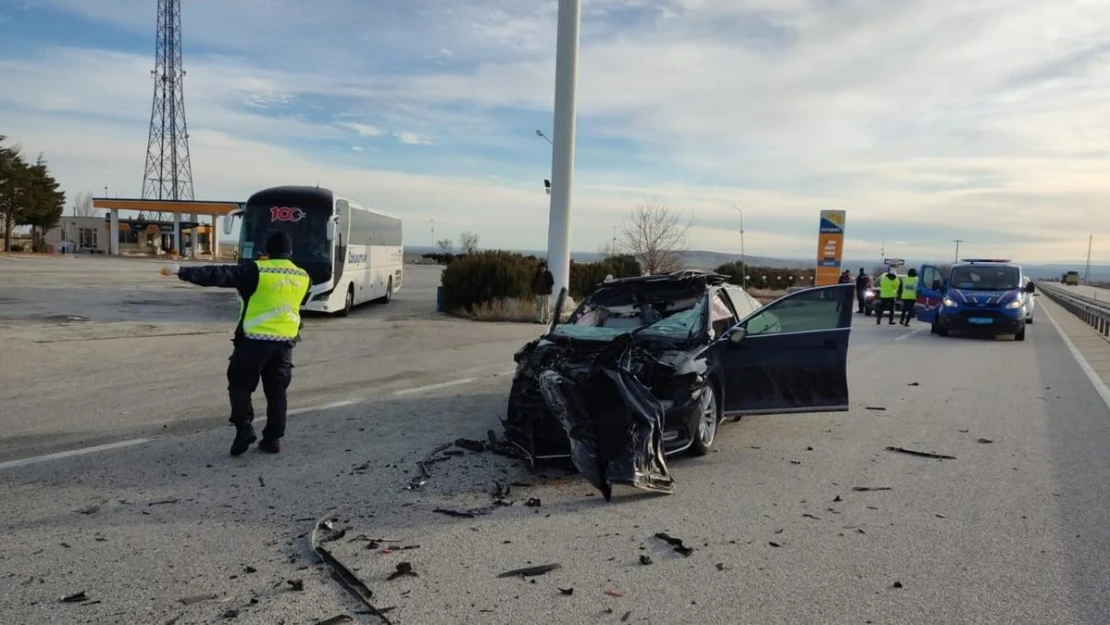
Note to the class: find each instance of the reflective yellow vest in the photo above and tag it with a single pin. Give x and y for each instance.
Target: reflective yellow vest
(888, 287)
(909, 288)
(273, 310)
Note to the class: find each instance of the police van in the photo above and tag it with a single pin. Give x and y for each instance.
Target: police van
(980, 295)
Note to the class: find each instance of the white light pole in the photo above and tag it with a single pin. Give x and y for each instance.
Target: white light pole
(743, 257)
(562, 147)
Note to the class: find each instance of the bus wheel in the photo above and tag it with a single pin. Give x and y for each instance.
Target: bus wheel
(349, 302)
(388, 291)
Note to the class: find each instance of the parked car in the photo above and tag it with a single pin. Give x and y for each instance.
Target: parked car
(649, 366)
(871, 295)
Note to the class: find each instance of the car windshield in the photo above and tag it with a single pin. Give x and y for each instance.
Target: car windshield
(607, 315)
(985, 278)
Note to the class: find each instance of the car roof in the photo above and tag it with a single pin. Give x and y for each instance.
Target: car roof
(711, 278)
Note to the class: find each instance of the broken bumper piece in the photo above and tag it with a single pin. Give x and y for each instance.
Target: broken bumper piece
(615, 428)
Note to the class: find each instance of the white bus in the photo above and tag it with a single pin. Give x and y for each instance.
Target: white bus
(353, 254)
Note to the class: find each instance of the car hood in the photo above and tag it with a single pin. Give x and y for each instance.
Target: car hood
(972, 297)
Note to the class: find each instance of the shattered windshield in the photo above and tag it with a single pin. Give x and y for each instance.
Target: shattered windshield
(609, 315)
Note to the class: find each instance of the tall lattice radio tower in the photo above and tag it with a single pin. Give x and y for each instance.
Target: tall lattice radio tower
(169, 173)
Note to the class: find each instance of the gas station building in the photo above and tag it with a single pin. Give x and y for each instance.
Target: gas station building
(185, 233)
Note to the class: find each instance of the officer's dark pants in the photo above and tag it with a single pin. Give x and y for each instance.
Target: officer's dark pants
(860, 299)
(907, 311)
(885, 304)
(271, 361)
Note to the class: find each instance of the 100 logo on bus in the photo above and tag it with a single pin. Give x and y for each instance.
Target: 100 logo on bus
(285, 213)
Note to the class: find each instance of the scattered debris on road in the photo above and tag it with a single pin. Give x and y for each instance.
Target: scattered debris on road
(467, 514)
(876, 408)
(471, 445)
(296, 585)
(984, 441)
(89, 510)
(897, 585)
(341, 573)
(566, 591)
(77, 597)
(531, 571)
(677, 543)
(922, 454)
(336, 620)
(418, 481)
(774, 544)
(163, 502)
(533, 502)
(864, 489)
(645, 560)
(613, 593)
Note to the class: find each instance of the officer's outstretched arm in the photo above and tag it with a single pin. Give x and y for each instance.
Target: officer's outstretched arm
(220, 276)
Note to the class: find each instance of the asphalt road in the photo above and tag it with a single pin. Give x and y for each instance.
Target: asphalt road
(1011, 531)
(101, 350)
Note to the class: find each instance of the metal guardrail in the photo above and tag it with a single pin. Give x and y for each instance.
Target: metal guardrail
(1093, 312)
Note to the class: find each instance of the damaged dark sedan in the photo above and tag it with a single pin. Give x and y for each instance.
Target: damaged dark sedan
(648, 367)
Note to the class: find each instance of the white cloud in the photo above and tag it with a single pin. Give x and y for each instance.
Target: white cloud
(925, 119)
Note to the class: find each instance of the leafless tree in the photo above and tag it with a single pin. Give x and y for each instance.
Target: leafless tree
(446, 246)
(655, 235)
(609, 249)
(468, 241)
(83, 206)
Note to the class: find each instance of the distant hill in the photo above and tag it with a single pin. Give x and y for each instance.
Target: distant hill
(704, 259)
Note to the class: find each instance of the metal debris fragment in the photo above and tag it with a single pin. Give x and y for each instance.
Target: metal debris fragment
(566, 591)
(984, 441)
(922, 454)
(864, 489)
(531, 571)
(677, 543)
(76, 597)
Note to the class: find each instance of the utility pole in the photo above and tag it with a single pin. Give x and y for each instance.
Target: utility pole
(562, 169)
(433, 232)
(743, 257)
(957, 242)
(1087, 273)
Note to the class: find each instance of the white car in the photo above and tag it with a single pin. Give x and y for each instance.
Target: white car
(1030, 301)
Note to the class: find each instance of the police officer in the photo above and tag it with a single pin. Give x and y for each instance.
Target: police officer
(908, 296)
(271, 292)
(889, 286)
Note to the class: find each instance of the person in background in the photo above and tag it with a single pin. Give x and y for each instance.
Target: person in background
(889, 286)
(845, 278)
(542, 284)
(271, 292)
(908, 294)
(863, 282)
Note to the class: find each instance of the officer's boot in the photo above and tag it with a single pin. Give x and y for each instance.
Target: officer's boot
(244, 437)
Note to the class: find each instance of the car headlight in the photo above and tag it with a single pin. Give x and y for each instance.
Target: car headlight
(949, 302)
(1016, 303)
(869, 293)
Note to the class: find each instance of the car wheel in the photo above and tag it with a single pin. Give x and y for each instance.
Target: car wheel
(940, 330)
(1029, 320)
(709, 418)
(349, 302)
(1020, 336)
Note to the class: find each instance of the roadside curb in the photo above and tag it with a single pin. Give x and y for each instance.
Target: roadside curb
(1091, 349)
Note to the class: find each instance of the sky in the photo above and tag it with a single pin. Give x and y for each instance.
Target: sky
(926, 120)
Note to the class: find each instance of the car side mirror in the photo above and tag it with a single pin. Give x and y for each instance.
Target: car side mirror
(1029, 288)
(737, 336)
(228, 219)
(330, 233)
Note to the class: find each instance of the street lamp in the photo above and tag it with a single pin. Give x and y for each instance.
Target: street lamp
(539, 133)
(957, 242)
(743, 258)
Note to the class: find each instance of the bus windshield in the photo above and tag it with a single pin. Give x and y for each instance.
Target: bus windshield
(306, 226)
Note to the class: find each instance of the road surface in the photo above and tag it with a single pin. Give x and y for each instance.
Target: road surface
(1013, 530)
(1089, 291)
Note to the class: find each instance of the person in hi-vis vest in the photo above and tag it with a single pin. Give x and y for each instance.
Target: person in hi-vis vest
(271, 292)
(908, 296)
(889, 285)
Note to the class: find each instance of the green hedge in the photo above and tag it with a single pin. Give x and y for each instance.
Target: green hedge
(487, 276)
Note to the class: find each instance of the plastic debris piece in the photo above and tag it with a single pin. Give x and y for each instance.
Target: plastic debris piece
(76, 597)
(810, 516)
(922, 454)
(876, 408)
(626, 616)
(467, 514)
(645, 560)
(984, 441)
(531, 571)
(404, 569)
(613, 593)
(163, 502)
(864, 489)
(774, 544)
(533, 502)
(566, 591)
(677, 543)
(295, 585)
(898, 585)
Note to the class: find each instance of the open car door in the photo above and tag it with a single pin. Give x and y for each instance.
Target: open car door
(790, 355)
(930, 292)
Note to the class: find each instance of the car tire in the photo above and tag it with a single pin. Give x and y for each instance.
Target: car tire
(1029, 320)
(1020, 336)
(348, 303)
(940, 330)
(709, 419)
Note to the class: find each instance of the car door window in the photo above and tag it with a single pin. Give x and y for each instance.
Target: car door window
(721, 317)
(930, 276)
(805, 311)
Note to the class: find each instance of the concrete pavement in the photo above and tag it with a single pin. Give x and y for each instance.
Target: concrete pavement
(1011, 531)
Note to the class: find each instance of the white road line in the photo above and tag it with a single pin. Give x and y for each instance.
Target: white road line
(11, 464)
(432, 387)
(334, 404)
(1096, 381)
(906, 336)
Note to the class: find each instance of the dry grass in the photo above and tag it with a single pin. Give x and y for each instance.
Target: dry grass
(512, 310)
